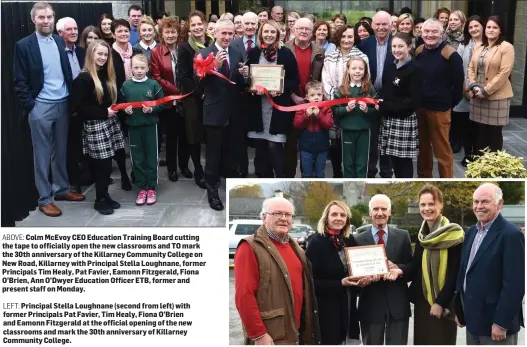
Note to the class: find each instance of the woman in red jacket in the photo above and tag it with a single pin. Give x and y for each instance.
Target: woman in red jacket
(164, 68)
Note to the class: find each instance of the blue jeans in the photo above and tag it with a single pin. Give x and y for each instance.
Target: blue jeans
(313, 160)
(49, 134)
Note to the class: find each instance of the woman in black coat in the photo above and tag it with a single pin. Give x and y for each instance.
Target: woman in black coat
(337, 300)
(401, 95)
(267, 126)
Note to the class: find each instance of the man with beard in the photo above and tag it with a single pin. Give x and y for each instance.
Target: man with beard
(491, 279)
(384, 306)
(42, 80)
(67, 29)
(274, 284)
(378, 48)
(220, 110)
(310, 60)
(135, 14)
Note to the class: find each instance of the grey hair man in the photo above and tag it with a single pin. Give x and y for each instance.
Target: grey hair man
(248, 41)
(384, 306)
(42, 81)
(443, 80)
(491, 279)
(277, 14)
(271, 273)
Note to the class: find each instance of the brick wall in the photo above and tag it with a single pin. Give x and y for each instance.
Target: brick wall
(520, 49)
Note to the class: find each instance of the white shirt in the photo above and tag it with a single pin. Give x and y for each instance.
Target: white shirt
(145, 47)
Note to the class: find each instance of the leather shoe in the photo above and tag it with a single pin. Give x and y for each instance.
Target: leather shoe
(112, 203)
(50, 210)
(102, 207)
(70, 196)
(200, 181)
(173, 176)
(162, 162)
(125, 183)
(215, 203)
(186, 173)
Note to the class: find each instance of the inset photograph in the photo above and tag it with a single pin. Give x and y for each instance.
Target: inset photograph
(376, 262)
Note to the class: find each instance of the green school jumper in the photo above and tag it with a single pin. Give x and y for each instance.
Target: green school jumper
(355, 127)
(142, 131)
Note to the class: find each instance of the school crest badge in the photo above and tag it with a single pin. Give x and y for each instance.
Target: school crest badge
(396, 81)
(149, 93)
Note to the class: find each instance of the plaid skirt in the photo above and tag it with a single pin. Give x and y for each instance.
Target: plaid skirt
(101, 138)
(490, 112)
(399, 137)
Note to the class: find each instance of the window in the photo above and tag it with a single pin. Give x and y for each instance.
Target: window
(326, 9)
(244, 229)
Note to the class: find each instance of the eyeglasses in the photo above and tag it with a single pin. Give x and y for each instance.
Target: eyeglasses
(291, 21)
(303, 29)
(285, 215)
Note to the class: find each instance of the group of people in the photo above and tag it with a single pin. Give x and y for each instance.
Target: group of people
(474, 279)
(428, 80)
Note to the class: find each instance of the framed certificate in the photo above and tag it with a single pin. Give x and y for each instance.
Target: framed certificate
(366, 260)
(269, 76)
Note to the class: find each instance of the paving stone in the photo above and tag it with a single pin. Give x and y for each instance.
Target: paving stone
(192, 215)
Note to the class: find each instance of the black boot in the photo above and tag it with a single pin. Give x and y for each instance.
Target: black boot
(125, 183)
(112, 203)
(214, 201)
(102, 207)
(200, 181)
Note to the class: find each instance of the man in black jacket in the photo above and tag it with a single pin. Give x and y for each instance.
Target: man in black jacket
(67, 29)
(443, 80)
(220, 107)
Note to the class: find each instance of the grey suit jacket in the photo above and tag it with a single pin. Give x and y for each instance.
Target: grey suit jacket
(240, 47)
(383, 297)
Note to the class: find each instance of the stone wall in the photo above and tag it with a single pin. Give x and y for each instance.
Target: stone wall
(520, 50)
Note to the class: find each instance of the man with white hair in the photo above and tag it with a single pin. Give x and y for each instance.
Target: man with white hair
(277, 14)
(221, 110)
(274, 283)
(310, 60)
(442, 90)
(42, 81)
(491, 280)
(378, 48)
(384, 306)
(247, 42)
(67, 29)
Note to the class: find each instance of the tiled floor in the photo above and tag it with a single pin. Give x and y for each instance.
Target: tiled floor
(185, 204)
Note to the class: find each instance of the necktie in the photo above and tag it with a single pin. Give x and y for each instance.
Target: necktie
(225, 69)
(380, 234)
(249, 46)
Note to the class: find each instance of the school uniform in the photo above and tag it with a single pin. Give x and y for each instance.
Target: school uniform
(142, 128)
(402, 95)
(355, 127)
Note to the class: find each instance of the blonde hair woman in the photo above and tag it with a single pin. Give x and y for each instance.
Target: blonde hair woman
(93, 92)
(292, 17)
(147, 35)
(455, 30)
(337, 301)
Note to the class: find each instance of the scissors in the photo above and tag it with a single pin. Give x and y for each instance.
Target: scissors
(240, 64)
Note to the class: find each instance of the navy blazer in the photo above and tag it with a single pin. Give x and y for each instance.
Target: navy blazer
(81, 55)
(369, 47)
(495, 279)
(221, 101)
(28, 69)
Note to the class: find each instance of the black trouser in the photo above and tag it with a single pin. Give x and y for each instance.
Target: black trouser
(120, 159)
(215, 151)
(101, 169)
(335, 155)
(384, 160)
(459, 131)
(489, 136)
(74, 150)
(269, 159)
(402, 167)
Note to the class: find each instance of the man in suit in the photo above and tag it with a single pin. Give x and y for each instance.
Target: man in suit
(379, 51)
(42, 79)
(384, 306)
(220, 107)
(67, 29)
(491, 280)
(244, 45)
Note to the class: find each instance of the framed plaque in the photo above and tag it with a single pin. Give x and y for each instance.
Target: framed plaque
(366, 261)
(269, 76)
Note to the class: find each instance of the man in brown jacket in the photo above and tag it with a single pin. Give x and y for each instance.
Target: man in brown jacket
(275, 294)
(310, 59)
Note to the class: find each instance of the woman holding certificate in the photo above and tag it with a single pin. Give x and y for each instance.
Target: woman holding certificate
(337, 304)
(268, 126)
(434, 271)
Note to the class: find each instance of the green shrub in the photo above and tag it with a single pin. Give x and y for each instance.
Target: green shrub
(496, 165)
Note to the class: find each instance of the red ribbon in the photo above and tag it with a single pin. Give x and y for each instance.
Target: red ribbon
(202, 67)
(302, 107)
